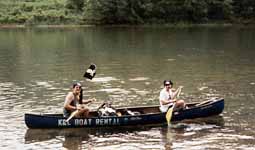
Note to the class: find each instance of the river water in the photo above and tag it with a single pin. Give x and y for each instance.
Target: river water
(38, 66)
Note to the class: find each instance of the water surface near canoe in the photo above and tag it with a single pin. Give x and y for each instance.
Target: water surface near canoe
(38, 65)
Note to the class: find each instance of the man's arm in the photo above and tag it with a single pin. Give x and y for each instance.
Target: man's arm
(177, 92)
(88, 101)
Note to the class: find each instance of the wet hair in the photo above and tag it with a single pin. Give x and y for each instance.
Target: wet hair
(81, 91)
(166, 82)
(81, 96)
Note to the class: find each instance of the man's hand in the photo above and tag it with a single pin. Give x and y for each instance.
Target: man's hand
(79, 106)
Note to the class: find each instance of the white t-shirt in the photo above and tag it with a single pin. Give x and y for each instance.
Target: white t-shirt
(165, 95)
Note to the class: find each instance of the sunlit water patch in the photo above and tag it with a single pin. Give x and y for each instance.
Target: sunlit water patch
(115, 90)
(140, 92)
(44, 84)
(139, 79)
(104, 79)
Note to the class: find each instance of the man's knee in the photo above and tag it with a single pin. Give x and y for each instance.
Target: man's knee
(182, 102)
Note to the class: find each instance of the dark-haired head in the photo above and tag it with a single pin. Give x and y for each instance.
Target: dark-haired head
(77, 84)
(168, 82)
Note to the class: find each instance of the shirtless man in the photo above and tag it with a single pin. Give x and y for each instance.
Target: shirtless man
(72, 102)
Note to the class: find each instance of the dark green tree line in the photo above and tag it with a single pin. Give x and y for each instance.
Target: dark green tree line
(126, 11)
(149, 11)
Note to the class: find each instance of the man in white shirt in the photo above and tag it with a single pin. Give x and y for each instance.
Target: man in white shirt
(167, 97)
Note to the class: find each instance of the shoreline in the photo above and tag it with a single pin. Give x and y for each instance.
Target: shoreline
(174, 25)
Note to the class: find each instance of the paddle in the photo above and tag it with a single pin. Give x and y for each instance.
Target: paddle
(170, 111)
(169, 114)
(72, 115)
(90, 74)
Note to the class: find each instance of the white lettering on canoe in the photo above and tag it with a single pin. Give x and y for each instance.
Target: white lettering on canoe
(136, 118)
(63, 122)
(88, 122)
(107, 121)
(82, 122)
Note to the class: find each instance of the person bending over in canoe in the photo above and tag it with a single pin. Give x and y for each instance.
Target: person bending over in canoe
(167, 97)
(73, 102)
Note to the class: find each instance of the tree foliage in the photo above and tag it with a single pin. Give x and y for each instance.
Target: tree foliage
(244, 9)
(149, 11)
(126, 11)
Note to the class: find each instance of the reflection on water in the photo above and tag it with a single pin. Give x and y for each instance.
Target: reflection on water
(70, 138)
(204, 134)
(84, 138)
(38, 66)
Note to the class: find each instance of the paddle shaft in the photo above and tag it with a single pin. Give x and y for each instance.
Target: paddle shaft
(179, 92)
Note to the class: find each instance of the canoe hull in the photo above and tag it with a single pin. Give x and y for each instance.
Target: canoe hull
(214, 107)
(39, 121)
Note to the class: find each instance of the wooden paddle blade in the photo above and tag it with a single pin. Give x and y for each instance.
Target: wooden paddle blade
(72, 115)
(169, 115)
(90, 72)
